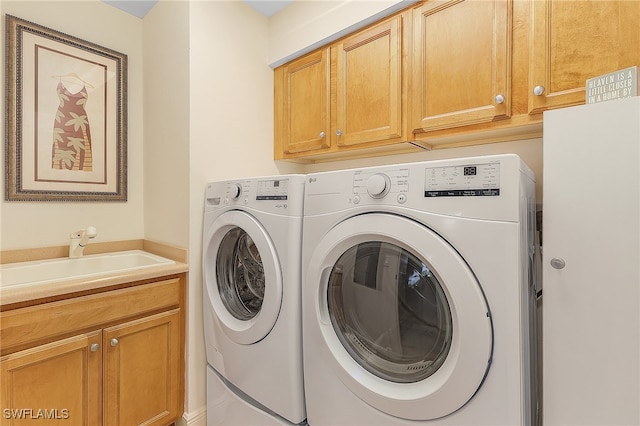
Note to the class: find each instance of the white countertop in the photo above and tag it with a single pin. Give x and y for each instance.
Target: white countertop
(32, 291)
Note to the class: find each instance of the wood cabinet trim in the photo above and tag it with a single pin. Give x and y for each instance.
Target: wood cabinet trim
(34, 325)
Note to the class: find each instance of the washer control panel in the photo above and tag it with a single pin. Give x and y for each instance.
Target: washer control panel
(462, 181)
(280, 195)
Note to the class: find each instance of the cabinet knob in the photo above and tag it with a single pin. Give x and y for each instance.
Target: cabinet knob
(322, 135)
(339, 132)
(94, 347)
(499, 98)
(538, 90)
(557, 263)
(114, 342)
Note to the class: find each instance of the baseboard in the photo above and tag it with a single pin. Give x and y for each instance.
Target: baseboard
(194, 418)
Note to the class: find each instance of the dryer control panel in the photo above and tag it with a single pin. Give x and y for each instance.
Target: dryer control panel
(463, 180)
(380, 184)
(480, 180)
(472, 187)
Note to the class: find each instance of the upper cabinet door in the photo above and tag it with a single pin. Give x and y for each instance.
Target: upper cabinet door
(369, 85)
(577, 40)
(302, 100)
(461, 65)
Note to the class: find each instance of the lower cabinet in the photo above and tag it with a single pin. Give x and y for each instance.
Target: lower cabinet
(126, 373)
(591, 248)
(59, 380)
(142, 363)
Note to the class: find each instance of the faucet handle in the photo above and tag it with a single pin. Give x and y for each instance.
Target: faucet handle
(91, 231)
(79, 240)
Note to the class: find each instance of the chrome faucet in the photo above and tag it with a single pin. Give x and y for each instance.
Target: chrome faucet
(79, 240)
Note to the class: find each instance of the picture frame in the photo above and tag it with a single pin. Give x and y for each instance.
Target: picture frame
(66, 117)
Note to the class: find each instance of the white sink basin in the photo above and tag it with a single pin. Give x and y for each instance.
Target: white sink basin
(63, 269)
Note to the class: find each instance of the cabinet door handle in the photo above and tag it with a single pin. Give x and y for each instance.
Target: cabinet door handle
(339, 132)
(538, 90)
(499, 98)
(322, 135)
(114, 342)
(94, 347)
(557, 263)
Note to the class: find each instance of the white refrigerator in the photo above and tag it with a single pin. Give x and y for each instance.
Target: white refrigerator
(591, 265)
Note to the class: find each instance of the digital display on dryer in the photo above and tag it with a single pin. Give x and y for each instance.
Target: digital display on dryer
(470, 170)
(474, 180)
(276, 189)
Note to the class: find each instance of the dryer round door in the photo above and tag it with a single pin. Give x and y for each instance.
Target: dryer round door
(406, 324)
(242, 276)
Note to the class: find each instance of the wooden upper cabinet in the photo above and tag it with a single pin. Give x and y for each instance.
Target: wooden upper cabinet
(349, 95)
(461, 63)
(369, 85)
(573, 41)
(302, 99)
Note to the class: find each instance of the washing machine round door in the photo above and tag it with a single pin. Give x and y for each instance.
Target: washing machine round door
(403, 317)
(242, 276)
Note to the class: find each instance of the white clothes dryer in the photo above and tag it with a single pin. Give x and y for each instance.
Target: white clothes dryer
(418, 294)
(251, 293)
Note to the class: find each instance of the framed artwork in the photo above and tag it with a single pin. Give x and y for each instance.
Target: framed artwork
(66, 117)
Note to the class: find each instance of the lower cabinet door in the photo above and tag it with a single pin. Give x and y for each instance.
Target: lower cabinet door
(142, 371)
(59, 382)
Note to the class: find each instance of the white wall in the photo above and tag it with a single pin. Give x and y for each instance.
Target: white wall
(38, 224)
(167, 150)
(308, 24)
(166, 123)
(231, 132)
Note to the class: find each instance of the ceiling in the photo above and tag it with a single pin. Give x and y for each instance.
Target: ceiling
(140, 8)
(268, 7)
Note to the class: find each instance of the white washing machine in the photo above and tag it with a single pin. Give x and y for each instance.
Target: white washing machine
(252, 299)
(418, 294)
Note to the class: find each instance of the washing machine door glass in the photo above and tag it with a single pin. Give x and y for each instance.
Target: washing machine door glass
(389, 311)
(240, 274)
(402, 318)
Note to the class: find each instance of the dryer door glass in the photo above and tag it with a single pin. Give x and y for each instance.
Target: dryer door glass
(390, 312)
(240, 274)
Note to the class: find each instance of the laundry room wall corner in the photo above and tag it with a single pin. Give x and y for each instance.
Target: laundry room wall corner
(194, 418)
(230, 88)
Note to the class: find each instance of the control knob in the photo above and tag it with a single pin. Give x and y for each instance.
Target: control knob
(236, 191)
(378, 185)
